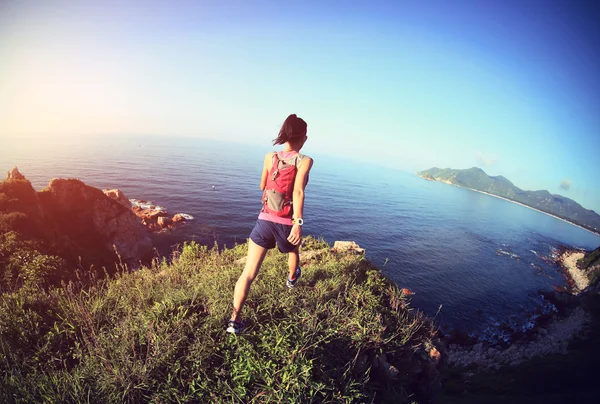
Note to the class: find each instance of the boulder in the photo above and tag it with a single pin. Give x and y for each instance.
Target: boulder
(348, 246)
(435, 355)
(178, 218)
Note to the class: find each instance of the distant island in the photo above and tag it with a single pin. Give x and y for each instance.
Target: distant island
(556, 205)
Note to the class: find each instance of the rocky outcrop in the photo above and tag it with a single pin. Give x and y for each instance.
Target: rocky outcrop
(91, 218)
(154, 217)
(569, 319)
(178, 218)
(119, 196)
(76, 220)
(348, 246)
(14, 174)
(552, 339)
(21, 208)
(164, 222)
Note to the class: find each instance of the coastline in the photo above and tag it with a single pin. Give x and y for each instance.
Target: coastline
(552, 336)
(518, 203)
(568, 260)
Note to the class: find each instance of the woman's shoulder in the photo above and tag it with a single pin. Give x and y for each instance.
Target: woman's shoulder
(303, 157)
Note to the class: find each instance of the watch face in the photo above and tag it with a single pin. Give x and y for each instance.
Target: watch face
(300, 222)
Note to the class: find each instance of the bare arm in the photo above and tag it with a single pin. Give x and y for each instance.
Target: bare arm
(266, 165)
(298, 199)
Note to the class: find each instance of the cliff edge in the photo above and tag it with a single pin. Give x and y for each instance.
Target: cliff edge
(74, 221)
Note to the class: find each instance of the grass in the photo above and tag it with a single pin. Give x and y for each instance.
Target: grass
(157, 335)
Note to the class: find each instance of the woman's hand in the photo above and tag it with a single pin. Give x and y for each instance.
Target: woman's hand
(295, 235)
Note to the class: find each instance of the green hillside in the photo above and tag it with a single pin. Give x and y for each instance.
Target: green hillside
(345, 334)
(475, 178)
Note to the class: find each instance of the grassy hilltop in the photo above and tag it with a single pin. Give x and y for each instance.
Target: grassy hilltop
(345, 334)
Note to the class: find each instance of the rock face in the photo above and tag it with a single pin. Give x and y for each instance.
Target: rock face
(119, 196)
(76, 220)
(151, 216)
(164, 222)
(14, 174)
(92, 218)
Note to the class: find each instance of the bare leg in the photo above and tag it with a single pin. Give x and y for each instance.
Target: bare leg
(293, 261)
(256, 255)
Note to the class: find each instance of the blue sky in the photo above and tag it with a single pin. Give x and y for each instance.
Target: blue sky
(510, 86)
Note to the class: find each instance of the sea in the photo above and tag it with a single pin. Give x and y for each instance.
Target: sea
(474, 263)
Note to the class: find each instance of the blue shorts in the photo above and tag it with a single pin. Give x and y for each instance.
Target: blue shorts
(266, 234)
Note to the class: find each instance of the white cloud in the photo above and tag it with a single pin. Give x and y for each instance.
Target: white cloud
(484, 160)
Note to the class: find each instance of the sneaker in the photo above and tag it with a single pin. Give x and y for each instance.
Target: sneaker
(292, 283)
(235, 327)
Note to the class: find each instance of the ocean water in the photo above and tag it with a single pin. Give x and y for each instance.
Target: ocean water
(456, 249)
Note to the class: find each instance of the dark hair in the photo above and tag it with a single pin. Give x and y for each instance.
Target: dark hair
(293, 128)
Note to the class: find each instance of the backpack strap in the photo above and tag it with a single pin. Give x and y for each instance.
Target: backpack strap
(275, 166)
(277, 160)
(294, 159)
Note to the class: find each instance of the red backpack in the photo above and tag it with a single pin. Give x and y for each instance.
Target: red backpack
(277, 197)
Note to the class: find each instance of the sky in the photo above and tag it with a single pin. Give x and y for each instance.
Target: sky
(512, 87)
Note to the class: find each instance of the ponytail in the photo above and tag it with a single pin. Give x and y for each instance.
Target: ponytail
(293, 128)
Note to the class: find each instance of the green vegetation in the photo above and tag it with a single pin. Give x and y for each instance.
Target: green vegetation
(157, 334)
(26, 260)
(591, 264)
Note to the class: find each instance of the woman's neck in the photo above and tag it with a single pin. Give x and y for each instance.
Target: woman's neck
(291, 148)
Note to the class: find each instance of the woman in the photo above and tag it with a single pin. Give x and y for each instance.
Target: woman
(284, 177)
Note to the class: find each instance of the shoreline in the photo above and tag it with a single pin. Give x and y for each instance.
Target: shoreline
(518, 203)
(546, 338)
(568, 260)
